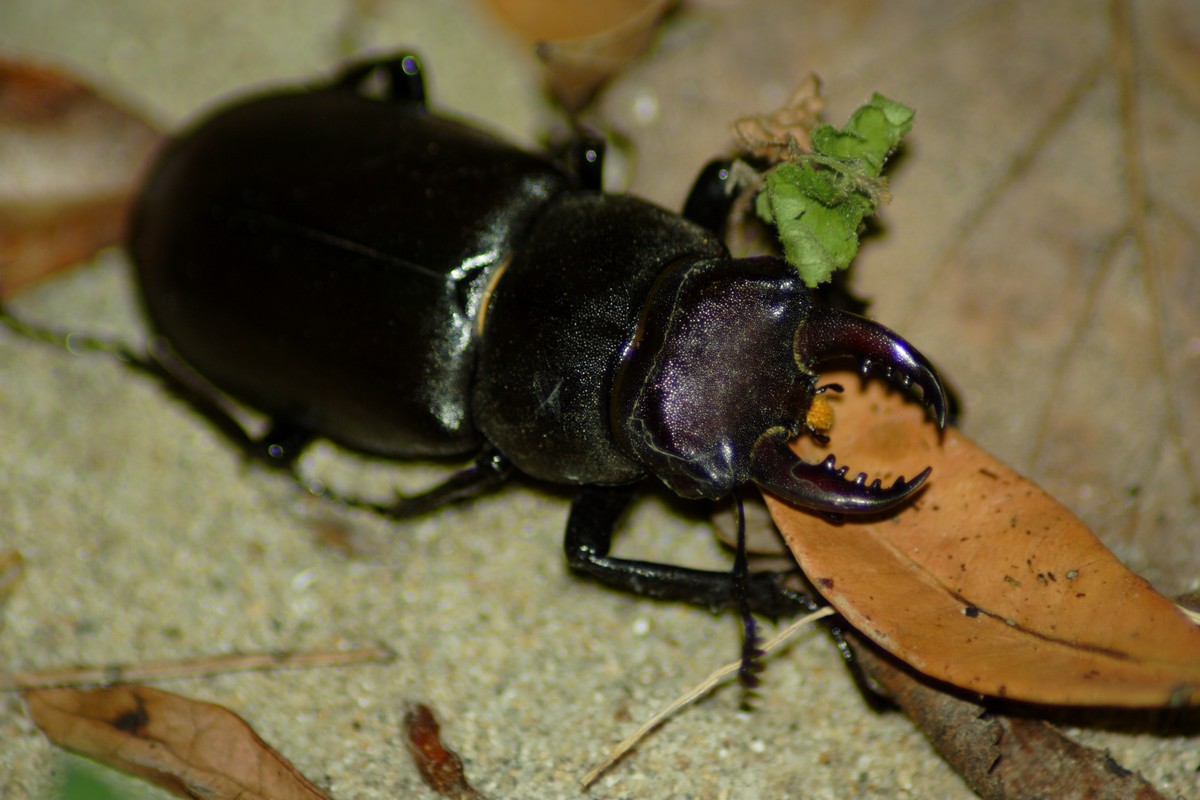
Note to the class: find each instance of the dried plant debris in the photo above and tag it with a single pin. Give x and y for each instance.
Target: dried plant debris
(192, 667)
(824, 181)
(777, 134)
(71, 162)
(440, 767)
(188, 747)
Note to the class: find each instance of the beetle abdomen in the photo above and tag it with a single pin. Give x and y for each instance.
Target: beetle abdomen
(320, 256)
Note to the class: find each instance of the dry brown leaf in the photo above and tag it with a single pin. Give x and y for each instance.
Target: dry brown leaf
(71, 159)
(188, 747)
(1001, 756)
(986, 581)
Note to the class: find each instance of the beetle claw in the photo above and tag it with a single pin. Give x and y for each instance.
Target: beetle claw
(829, 333)
(823, 487)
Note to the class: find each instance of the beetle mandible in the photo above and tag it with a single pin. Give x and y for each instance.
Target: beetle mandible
(405, 285)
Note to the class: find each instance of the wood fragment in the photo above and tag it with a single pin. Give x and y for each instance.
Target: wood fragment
(191, 667)
(440, 767)
(1001, 756)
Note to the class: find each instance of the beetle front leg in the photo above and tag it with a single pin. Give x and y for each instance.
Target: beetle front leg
(594, 514)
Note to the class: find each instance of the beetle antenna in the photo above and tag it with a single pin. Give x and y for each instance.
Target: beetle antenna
(750, 667)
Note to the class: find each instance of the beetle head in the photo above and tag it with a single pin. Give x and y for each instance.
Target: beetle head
(721, 375)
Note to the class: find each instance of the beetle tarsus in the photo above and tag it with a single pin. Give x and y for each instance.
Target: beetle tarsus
(750, 666)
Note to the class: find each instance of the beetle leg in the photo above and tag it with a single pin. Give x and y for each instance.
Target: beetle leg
(750, 667)
(279, 448)
(490, 470)
(594, 514)
(711, 198)
(404, 81)
(585, 160)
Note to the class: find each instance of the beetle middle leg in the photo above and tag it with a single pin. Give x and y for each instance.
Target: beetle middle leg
(489, 470)
(283, 443)
(594, 514)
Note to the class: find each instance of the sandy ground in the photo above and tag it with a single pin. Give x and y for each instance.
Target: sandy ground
(146, 538)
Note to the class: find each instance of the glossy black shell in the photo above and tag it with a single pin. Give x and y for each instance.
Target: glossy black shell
(322, 256)
(401, 283)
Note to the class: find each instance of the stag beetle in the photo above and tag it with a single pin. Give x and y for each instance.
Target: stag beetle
(406, 285)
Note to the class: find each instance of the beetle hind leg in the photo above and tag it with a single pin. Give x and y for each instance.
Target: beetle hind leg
(594, 514)
(278, 449)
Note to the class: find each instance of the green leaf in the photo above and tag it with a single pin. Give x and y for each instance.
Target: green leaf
(83, 783)
(818, 201)
(870, 136)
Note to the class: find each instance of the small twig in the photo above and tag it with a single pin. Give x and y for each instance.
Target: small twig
(190, 667)
(696, 692)
(440, 768)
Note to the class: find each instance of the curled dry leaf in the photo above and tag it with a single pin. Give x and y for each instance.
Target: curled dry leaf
(778, 134)
(71, 160)
(985, 581)
(191, 748)
(583, 42)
